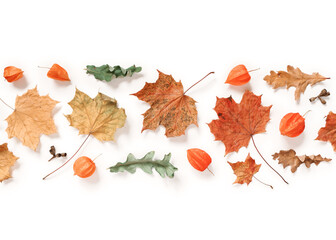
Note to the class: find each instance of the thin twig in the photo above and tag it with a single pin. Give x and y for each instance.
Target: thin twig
(197, 82)
(6, 104)
(263, 182)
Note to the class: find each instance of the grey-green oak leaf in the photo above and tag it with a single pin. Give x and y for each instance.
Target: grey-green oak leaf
(107, 72)
(163, 167)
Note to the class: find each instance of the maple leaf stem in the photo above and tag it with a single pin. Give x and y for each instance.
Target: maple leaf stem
(69, 158)
(262, 182)
(197, 82)
(266, 161)
(6, 104)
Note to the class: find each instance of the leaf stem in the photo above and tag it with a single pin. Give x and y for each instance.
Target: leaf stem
(263, 182)
(6, 104)
(197, 82)
(254, 70)
(69, 158)
(266, 161)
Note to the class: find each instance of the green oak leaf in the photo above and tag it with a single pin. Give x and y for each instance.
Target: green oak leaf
(107, 72)
(163, 167)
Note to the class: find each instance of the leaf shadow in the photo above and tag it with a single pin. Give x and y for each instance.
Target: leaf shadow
(294, 142)
(239, 89)
(115, 82)
(22, 83)
(125, 130)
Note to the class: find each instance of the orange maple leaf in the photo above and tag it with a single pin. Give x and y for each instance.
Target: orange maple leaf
(328, 132)
(238, 123)
(245, 170)
(170, 106)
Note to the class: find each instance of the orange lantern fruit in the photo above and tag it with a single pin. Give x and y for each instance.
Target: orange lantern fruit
(56, 72)
(292, 125)
(199, 159)
(84, 167)
(12, 74)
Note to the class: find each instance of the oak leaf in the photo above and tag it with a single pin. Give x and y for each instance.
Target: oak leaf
(99, 117)
(170, 106)
(31, 118)
(7, 160)
(294, 77)
(289, 158)
(245, 170)
(328, 132)
(238, 123)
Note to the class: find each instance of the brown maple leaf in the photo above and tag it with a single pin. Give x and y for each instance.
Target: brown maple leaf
(31, 118)
(294, 77)
(170, 106)
(245, 170)
(328, 133)
(7, 160)
(99, 117)
(237, 123)
(289, 158)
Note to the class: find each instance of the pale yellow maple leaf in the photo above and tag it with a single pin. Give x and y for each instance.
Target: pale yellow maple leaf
(31, 118)
(7, 160)
(99, 117)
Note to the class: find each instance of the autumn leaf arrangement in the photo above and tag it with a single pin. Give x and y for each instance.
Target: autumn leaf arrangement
(170, 107)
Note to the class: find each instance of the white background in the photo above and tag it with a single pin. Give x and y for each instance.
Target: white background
(186, 39)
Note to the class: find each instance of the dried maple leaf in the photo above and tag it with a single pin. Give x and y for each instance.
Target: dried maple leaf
(293, 78)
(99, 117)
(7, 160)
(245, 170)
(31, 118)
(289, 158)
(238, 123)
(170, 106)
(328, 132)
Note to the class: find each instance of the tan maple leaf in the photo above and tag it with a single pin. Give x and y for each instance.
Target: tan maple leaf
(31, 118)
(170, 106)
(7, 160)
(289, 158)
(245, 170)
(99, 117)
(294, 77)
(328, 132)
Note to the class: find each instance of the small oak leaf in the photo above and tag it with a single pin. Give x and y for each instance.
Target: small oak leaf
(294, 77)
(99, 117)
(289, 158)
(7, 160)
(245, 170)
(170, 107)
(31, 118)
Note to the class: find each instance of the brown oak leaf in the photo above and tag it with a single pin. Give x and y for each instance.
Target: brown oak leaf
(294, 77)
(99, 117)
(31, 118)
(237, 123)
(289, 158)
(245, 170)
(170, 106)
(7, 160)
(328, 133)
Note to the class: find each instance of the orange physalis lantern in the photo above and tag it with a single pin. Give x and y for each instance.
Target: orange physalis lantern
(58, 73)
(12, 73)
(292, 125)
(199, 159)
(84, 167)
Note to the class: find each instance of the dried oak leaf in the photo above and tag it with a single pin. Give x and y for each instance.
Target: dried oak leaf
(328, 133)
(99, 117)
(245, 170)
(7, 160)
(289, 158)
(238, 123)
(170, 107)
(293, 78)
(31, 118)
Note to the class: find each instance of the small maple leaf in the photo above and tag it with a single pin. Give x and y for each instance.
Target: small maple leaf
(7, 160)
(289, 158)
(245, 170)
(237, 123)
(328, 132)
(31, 118)
(294, 77)
(170, 106)
(99, 117)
